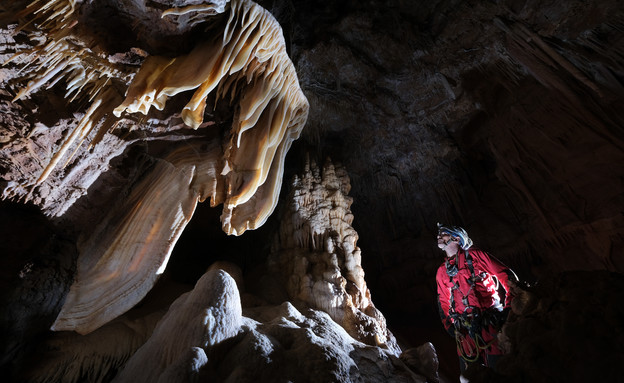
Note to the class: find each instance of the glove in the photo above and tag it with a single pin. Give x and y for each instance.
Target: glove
(496, 319)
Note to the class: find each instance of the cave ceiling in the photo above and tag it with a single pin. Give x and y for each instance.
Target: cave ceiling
(504, 117)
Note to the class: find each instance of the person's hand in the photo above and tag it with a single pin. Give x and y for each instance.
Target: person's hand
(517, 287)
(501, 318)
(505, 313)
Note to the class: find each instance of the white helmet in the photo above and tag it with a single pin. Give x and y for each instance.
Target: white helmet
(456, 232)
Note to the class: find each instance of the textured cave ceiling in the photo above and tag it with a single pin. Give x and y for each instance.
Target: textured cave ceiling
(504, 117)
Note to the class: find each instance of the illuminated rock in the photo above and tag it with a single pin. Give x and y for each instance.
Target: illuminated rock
(317, 256)
(245, 63)
(206, 335)
(197, 320)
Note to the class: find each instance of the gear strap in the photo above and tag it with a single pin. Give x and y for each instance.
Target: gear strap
(472, 280)
(480, 345)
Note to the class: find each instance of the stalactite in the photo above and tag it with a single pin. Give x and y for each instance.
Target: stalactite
(245, 62)
(248, 60)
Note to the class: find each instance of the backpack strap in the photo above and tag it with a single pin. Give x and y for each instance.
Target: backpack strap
(470, 266)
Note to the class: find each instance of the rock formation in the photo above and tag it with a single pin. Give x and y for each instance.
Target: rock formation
(123, 258)
(206, 335)
(317, 255)
(126, 250)
(574, 318)
(197, 320)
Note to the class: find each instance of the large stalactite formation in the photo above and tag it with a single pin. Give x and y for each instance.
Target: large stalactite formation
(118, 117)
(248, 61)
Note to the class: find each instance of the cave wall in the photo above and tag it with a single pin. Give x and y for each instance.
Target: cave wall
(501, 116)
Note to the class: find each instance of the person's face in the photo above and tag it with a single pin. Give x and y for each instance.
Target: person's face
(443, 239)
(445, 242)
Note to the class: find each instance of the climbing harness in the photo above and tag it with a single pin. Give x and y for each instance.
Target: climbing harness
(451, 268)
(470, 322)
(480, 345)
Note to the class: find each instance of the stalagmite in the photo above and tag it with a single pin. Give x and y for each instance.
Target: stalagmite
(207, 334)
(201, 318)
(245, 64)
(316, 252)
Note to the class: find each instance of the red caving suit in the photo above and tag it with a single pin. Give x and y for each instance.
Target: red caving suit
(461, 301)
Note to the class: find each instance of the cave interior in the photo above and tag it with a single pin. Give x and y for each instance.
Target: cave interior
(504, 117)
